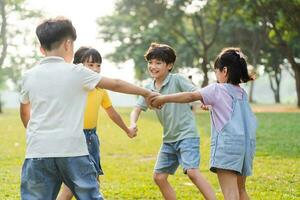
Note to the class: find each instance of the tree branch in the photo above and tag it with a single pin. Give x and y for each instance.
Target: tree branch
(3, 33)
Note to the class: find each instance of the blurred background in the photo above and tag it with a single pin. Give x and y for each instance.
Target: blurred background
(266, 30)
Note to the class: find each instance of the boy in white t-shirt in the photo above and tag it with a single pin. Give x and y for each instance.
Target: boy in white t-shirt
(52, 102)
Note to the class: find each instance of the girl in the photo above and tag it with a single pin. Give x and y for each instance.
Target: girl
(233, 122)
(92, 59)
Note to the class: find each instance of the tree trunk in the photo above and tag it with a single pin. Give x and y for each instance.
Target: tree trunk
(205, 70)
(297, 78)
(277, 96)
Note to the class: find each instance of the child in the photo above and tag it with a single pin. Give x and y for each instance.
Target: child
(180, 135)
(92, 59)
(233, 123)
(52, 101)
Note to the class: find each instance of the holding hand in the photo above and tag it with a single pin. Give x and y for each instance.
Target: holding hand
(149, 98)
(132, 131)
(158, 101)
(204, 107)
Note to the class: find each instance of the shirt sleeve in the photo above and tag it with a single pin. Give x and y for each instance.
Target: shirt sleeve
(24, 96)
(141, 103)
(184, 84)
(89, 78)
(210, 94)
(106, 102)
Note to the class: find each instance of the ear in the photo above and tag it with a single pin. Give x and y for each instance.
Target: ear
(225, 70)
(66, 45)
(170, 66)
(42, 50)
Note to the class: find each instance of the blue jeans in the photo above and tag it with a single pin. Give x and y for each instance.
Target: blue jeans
(42, 177)
(184, 152)
(93, 145)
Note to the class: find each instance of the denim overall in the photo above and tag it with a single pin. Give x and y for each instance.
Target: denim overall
(233, 148)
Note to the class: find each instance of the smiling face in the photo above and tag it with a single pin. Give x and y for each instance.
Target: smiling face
(158, 69)
(94, 66)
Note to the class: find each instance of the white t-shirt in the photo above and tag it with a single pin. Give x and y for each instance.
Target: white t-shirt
(57, 92)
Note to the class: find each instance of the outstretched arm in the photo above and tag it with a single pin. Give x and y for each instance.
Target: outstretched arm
(118, 85)
(25, 113)
(182, 97)
(116, 118)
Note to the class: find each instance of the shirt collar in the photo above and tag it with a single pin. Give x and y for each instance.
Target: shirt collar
(165, 82)
(52, 59)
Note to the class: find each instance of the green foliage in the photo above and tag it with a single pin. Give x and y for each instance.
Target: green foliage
(17, 36)
(128, 163)
(189, 28)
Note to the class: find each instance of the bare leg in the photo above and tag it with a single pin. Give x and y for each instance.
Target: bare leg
(228, 183)
(65, 194)
(241, 180)
(161, 179)
(202, 184)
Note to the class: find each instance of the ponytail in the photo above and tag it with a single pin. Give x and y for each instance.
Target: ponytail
(236, 64)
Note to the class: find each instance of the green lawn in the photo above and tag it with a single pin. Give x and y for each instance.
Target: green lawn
(128, 163)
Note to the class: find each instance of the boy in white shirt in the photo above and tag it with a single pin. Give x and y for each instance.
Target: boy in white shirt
(52, 104)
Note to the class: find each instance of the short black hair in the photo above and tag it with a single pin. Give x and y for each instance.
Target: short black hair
(91, 53)
(235, 61)
(161, 52)
(79, 54)
(52, 32)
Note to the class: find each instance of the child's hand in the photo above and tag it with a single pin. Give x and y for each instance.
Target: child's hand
(132, 131)
(157, 102)
(150, 97)
(204, 107)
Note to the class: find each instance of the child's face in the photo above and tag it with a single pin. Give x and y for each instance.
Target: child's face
(158, 69)
(221, 75)
(96, 67)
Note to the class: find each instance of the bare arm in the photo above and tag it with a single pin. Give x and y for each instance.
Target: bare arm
(182, 97)
(25, 113)
(118, 85)
(121, 86)
(134, 116)
(115, 117)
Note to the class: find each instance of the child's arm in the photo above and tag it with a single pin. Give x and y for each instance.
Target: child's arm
(115, 117)
(182, 97)
(25, 113)
(134, 116)
(118, 85)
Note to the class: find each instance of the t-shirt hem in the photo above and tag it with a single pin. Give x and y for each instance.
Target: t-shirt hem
(55, 155)
(178, 139)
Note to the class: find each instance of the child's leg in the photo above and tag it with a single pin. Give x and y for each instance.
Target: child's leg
(241, 180)
(228, 183)
(203, 186)
(80, 175)
(161, 179)
(65, 193)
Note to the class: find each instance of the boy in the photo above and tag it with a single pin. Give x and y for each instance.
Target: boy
(92, 59)
(180, 135)
(52, 102)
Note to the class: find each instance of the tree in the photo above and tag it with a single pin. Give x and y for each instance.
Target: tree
(190, 26)
(280, 21)
(13, 38)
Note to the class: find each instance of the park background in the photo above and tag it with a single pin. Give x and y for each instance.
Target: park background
(266, 30)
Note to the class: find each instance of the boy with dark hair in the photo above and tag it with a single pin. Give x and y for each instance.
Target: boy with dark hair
(52, 102)
(180, 135)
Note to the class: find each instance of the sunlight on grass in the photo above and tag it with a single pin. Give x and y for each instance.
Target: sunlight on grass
(128, 163)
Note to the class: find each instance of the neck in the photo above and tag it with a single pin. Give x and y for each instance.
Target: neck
(159, 81)
(56, 52)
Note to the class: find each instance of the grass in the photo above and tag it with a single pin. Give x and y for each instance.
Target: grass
(128, 163)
